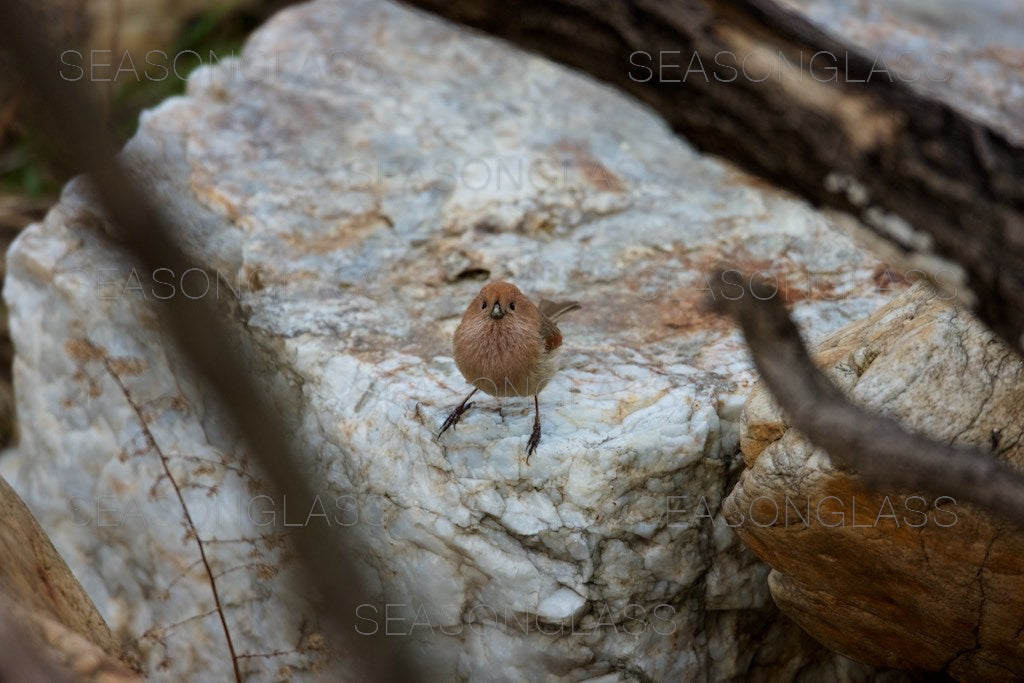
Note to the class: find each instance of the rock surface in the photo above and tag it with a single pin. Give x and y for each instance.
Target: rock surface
(907, 579)
(351, 180)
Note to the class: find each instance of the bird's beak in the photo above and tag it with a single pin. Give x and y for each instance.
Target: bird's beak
(497, 312)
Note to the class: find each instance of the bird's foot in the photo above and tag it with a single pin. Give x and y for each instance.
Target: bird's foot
(531, 445)
(454, 417)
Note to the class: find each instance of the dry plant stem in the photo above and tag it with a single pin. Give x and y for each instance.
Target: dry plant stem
(838, 141)
(875, 447)
(189, 523)
(67, 114)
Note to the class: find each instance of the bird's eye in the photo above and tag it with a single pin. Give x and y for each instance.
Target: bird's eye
(483, 306)
(511, 305)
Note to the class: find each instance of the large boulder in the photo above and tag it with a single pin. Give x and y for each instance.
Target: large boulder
(347, 184)
(896, 578)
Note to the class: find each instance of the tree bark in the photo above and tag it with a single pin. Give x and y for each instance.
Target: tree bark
(847, 139)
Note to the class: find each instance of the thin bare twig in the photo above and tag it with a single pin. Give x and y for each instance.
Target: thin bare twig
(877, 448)
(189, 523)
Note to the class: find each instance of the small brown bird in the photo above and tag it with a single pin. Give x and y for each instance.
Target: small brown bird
(506, 346)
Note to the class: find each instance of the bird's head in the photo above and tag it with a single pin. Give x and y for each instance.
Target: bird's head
(499, 301)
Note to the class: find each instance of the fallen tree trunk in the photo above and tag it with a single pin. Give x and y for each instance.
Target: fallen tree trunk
(761, 86)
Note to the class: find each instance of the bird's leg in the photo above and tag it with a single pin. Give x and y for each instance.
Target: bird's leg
(456, 414)
(531, 445)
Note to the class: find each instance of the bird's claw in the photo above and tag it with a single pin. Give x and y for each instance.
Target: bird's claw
(454, 417)
(531, 445)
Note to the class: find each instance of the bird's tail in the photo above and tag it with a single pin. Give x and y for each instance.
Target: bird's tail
(554, 310)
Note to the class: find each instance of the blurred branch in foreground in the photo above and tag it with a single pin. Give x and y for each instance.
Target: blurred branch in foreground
(67, 113)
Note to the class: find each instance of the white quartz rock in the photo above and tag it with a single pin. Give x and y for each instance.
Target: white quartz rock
(351, 196)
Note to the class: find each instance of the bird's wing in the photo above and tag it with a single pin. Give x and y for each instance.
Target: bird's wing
(549, 332)
(555, 310)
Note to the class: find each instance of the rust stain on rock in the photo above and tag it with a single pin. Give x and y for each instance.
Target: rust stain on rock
(83, 350)
(128, 366)
(597, 175)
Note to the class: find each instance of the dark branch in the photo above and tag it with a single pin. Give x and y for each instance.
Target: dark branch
(875, 447)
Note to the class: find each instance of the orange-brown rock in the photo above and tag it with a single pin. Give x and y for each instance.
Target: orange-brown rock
(895, 578)
(40, 594)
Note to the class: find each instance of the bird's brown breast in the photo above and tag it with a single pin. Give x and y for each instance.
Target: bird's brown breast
(503, 357)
